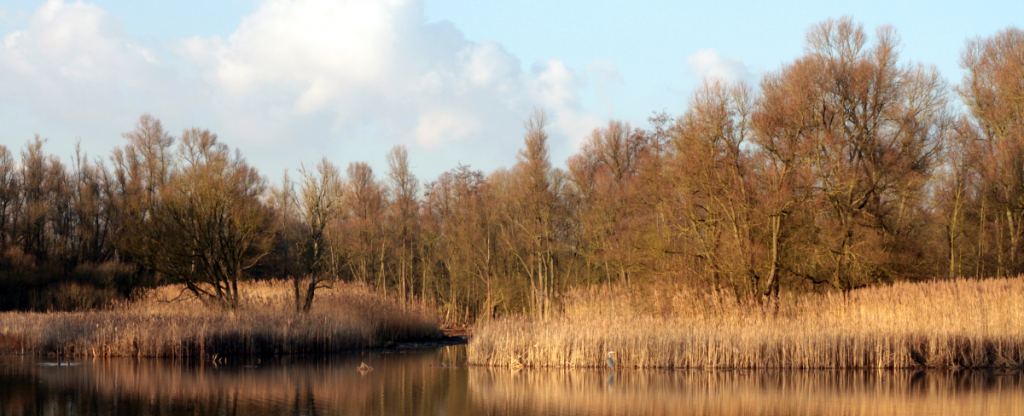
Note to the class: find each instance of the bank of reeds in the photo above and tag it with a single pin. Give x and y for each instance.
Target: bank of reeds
(939, 324)
(164, 324)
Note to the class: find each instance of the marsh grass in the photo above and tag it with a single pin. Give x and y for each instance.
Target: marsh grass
(165, 324)
(939, 324)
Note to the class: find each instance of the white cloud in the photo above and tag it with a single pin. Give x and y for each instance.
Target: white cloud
(707, 63)
(606, 73)
(605, 70)
(10, 16)
(73, 64)
(345, 78)
(556, 87)
(436, 127)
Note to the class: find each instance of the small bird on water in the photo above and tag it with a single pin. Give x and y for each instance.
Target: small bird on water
(611, 362)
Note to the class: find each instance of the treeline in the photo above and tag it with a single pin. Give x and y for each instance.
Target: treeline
(847, 167)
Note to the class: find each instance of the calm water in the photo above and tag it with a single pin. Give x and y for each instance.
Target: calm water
(431, 382)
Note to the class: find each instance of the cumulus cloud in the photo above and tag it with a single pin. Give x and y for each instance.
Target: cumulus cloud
(555, 86)
(606, 73)
(73, 63)
(10, 16)
(435, 127)
(345, 78)
(707, 63)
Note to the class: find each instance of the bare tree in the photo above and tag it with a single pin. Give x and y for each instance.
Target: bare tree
(320, 206)
(992, 90)
(404, 212)
(209, 224)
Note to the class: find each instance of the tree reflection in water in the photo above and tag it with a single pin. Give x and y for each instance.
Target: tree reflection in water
(430, 382)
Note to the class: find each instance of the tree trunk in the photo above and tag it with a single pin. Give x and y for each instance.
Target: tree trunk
(771, 289)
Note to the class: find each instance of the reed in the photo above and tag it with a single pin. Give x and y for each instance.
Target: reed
(938, 324)
(164, 324)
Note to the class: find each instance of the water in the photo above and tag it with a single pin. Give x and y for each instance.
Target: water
(433, 382)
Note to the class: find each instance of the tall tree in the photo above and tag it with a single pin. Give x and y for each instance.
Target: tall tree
(992, 89)
(9, 198)
(872, 138)
(365, 203)
(404, 212)
(715, 177)
(209, 224)
(532, 214)
(319, 207)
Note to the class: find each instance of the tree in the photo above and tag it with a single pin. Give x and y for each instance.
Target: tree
(404, 213)
(460, 213)
(608, 211)
(716, 184)
(532, 213)
(209, 224)
(871, 129)
(992, 89)
(364, 204)
(9, 198)
(141, 171)
(320, 206)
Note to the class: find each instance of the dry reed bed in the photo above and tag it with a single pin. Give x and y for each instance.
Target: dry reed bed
(346, 317)
(941, 324)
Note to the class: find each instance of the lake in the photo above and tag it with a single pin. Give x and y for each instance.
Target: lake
(435, 382)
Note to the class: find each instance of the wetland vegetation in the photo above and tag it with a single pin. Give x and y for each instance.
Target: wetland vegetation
(852, 209)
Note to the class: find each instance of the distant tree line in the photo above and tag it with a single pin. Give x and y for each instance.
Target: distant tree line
(847, 167)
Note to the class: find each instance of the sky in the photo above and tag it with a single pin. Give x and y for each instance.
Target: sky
(290, 81)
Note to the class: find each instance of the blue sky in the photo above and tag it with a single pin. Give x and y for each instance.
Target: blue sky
(290, 81)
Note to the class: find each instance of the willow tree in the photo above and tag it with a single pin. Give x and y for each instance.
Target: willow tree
(209, 224)
(870, 128)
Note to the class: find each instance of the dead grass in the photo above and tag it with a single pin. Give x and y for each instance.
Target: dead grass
(346, 317)
(941, 324)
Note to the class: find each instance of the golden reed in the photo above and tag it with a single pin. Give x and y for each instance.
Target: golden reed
(345, 317)
(939, 324)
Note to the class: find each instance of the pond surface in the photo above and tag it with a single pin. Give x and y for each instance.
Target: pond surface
(432, 382)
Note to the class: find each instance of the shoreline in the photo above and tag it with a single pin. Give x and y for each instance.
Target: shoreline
(422, 344)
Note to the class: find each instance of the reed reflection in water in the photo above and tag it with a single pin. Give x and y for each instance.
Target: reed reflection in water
(411, 382)
(429, 382)
(783, 392)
